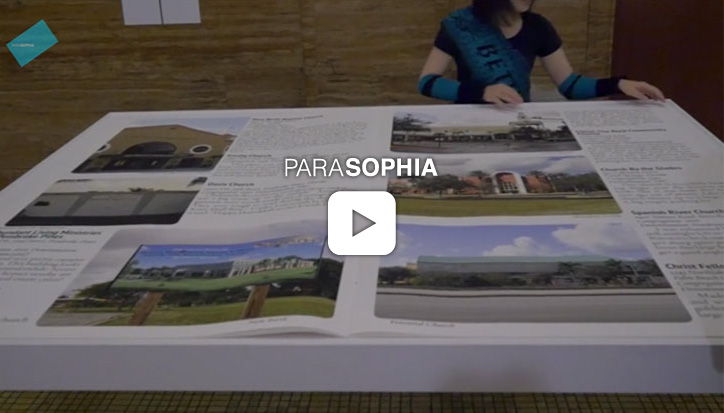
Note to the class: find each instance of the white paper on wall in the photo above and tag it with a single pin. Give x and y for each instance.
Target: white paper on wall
(141, 12)
(180, 11)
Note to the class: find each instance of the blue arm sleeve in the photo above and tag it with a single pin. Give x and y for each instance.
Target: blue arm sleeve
(436, 86)
(582, 87)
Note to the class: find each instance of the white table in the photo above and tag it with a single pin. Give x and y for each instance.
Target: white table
(317, 363)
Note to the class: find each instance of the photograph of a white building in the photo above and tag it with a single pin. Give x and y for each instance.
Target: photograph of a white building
(591, 271)
(204, 275)
(225, 269)
(153, 200)
(583, 271)
(219, 266)
(440, 130)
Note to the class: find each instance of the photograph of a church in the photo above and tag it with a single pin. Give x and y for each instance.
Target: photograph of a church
(203, 276)
(539, 185)
(592, 271)
(575, 271)
(133, 201)
(158, 148)
(464, 131)
(215, 267)
(225, 269)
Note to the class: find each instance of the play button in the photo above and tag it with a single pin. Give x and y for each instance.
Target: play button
(361, 223)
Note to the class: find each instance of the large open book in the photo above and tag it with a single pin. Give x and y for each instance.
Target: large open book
(574, 223)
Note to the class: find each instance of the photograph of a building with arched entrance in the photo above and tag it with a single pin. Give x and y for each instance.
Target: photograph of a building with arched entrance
(541, 185)
(183, 146)
(440, 130)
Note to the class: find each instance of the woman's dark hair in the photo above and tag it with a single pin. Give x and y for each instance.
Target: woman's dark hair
(494, 11)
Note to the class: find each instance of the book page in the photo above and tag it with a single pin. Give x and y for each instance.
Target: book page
(546, 223)
(180, 224)
(553, 223)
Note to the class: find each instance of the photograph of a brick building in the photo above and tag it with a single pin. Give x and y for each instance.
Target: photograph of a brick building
(482, 183)
(176, 145)
(540, 185)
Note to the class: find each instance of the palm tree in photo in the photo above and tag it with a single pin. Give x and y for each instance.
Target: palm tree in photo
(638, 278)
(561, 182)
(569, 268)
(409, 122)
(615, 269)
(648, 270)
(441, 184)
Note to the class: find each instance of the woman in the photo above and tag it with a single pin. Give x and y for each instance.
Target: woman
(494, 44)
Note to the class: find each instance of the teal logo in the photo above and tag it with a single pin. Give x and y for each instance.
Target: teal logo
(32, 43)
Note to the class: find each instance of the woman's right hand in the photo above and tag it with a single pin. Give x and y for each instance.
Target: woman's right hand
(501, 94)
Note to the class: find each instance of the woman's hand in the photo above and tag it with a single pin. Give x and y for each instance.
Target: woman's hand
(501, 94)
(640, 90)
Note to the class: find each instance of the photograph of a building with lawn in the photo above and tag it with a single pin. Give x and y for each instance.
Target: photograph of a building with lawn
(164, 145)
(213, 267)
(541, 185)
(151, 200)
(595, 271)
(159, 283)
(441, 130)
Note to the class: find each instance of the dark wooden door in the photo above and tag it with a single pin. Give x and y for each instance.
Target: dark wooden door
(678, 46)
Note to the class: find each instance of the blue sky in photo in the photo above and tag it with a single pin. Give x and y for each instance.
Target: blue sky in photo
(173, 255)
(613, 240)
(230, 125)
(461, 166)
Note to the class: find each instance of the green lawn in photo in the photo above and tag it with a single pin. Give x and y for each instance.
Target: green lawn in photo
(279, 306)
(516, 207)
(210, 284)
(109, 309)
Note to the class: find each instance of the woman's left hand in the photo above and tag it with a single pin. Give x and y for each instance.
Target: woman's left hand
(640, 90)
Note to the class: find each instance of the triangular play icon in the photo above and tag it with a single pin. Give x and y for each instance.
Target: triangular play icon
(360, 223)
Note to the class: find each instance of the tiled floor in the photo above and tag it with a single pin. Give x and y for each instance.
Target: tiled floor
(78, 402)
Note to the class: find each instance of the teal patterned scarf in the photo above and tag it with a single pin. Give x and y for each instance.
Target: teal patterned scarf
(487, 52)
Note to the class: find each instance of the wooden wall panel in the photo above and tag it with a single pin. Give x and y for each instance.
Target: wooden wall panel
(678, 47)
(246, 53)
(600, 38)
(361, 52)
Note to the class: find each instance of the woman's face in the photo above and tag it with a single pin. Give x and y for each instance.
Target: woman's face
(521, 6)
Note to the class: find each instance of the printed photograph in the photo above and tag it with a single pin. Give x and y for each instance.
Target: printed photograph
(589, 272)
(474, 131)
(541, 185)
(152, 200)
(165, 145)
(144, 277)
(185, 267)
